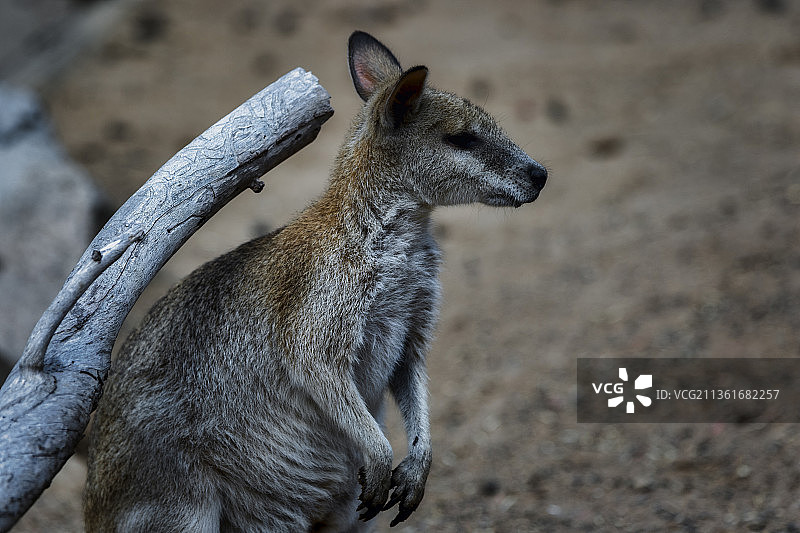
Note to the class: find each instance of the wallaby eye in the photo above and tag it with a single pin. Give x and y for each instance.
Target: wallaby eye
(463, 141)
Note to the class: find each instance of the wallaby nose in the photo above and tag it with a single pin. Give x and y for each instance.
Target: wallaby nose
(538, 175)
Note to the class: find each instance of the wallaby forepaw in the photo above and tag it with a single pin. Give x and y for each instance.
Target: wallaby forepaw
(374, 493)
(408, 481)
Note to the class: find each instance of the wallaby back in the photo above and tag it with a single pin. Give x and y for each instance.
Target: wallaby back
(251, 396)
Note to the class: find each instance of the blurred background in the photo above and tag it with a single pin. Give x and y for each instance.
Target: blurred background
(670, 226)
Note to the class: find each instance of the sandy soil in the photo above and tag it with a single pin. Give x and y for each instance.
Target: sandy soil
(669, 228)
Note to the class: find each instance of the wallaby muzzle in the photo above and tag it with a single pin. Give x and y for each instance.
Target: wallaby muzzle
(537, 177)
(526, 182)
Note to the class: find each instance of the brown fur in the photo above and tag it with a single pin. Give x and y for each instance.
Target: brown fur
(251, 397)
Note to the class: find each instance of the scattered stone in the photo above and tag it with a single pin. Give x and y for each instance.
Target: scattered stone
(150, 26)
(287, 21)
(756, 521)
(554, 510)
(557, 111)
(773, 7)
(743, 471)
(606, 147)
(643, 483)
(489, 487)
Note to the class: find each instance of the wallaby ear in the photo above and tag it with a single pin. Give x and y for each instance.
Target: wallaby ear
(371, 63)
(404, 100)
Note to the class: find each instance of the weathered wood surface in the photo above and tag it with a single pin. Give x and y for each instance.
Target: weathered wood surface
(46, 401)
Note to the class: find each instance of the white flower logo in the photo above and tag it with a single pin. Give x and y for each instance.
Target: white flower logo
(644, 381)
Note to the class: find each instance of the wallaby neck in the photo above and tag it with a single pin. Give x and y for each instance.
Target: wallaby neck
(368, 191)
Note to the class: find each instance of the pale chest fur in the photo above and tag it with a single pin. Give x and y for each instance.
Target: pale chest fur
(403, 306)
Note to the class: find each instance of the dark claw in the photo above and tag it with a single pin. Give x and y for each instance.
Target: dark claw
(361, 480)
(370, 509)
(401, 516)
(369, 514)
(394, 500)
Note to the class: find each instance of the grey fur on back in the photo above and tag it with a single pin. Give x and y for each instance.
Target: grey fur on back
(251, 396)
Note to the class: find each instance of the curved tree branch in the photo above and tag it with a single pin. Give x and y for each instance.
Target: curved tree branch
(33, 356)
(46, 401)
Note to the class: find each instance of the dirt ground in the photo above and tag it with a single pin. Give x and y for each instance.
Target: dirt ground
(670, 227)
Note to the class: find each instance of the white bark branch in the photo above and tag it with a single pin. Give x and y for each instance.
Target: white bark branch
(33, 356)
(46, 401)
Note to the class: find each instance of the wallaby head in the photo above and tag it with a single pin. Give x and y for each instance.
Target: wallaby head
(439, 148)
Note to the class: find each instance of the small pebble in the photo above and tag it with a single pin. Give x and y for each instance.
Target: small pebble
(554, 510)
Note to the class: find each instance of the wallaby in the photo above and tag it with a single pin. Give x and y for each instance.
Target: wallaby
(251, 397)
